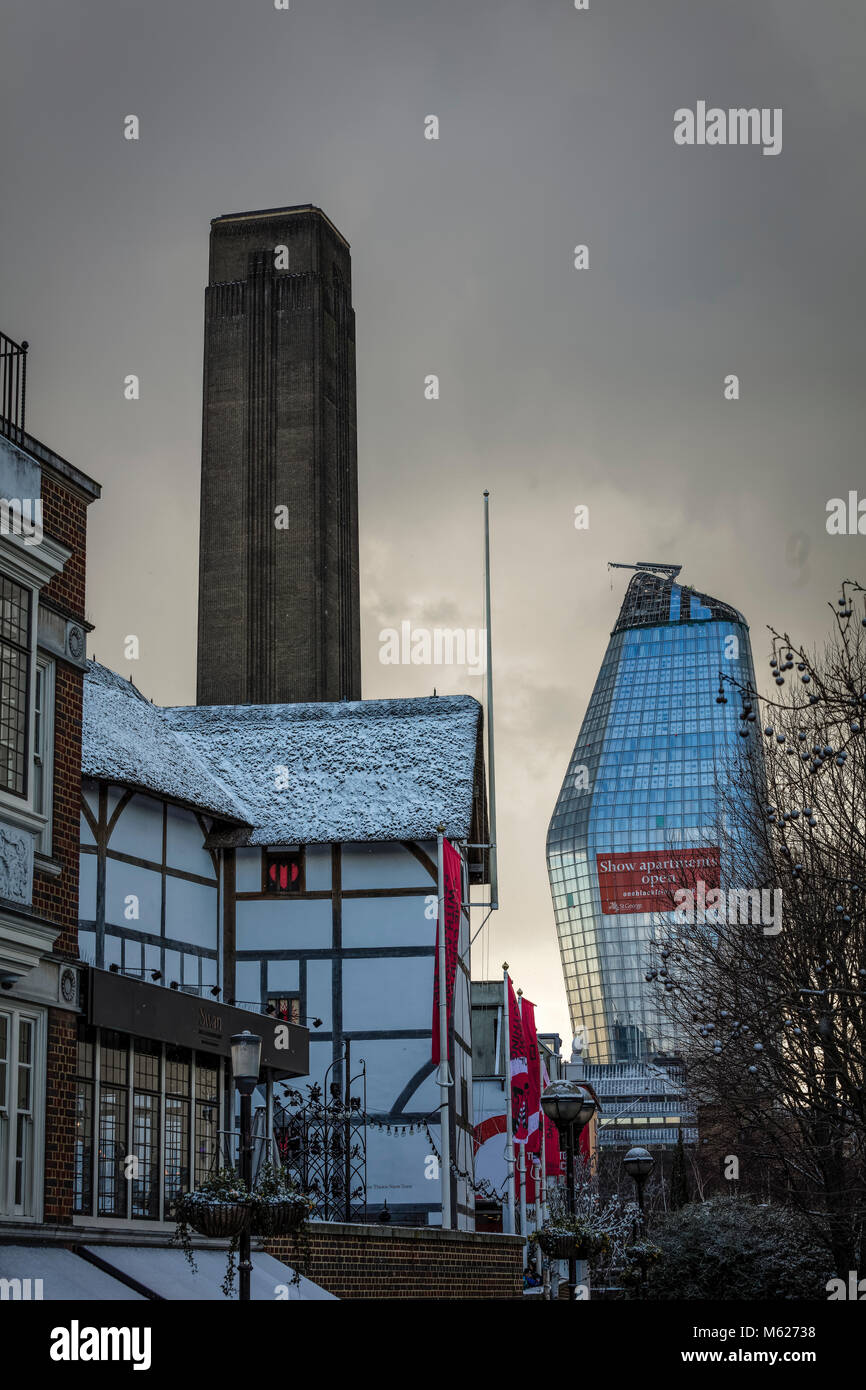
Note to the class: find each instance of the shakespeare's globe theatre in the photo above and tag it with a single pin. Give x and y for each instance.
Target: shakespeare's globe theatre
(641, 792)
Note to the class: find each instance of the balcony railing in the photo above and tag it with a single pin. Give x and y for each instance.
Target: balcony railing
(13, 387)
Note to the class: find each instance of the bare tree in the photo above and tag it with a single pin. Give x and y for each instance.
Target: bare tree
(770, 1005)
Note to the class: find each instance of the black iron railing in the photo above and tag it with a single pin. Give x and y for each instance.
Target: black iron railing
(13, 386)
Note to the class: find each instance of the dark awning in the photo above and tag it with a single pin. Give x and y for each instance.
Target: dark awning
(187, 1020)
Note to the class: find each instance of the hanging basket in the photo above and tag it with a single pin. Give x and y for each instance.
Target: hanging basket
(279, 1218)
(564, 1246)
(218, 1220)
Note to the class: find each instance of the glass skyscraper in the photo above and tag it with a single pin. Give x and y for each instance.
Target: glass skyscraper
(642, 785)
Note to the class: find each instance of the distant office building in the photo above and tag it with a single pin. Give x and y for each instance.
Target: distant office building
(642, 787)
(644, 1103)
(278, 563)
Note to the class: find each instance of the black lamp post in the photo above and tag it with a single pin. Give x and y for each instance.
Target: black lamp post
(571, 1108)
(639, 1163)
(246, 1057)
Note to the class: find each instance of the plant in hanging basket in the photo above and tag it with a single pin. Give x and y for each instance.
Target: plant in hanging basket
(568, 1239)
(272, 1217)
(219, 1208)
(279, 1206)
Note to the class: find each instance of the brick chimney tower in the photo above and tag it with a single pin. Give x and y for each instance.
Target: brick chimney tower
(278, 617)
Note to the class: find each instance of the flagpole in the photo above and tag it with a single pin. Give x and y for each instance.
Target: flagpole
(444, 1077)
(543, 1123)
(491, 767)
(521, 1160)
(509, 1122)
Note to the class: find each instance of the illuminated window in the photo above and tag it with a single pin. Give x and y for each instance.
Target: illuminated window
(284, 871)
(285, 1006)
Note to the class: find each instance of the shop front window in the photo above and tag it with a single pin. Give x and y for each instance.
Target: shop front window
(151, 1092)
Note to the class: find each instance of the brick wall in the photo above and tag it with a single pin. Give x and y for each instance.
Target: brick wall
(406, 1261)
(64, 515)
(56, 896)
(60, 1116)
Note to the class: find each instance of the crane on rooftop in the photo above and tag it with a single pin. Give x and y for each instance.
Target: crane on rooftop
(670, 570)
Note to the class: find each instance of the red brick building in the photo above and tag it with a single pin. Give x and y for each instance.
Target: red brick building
(43, 532)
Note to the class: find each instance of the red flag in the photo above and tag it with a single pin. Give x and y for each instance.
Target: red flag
(533, 1092)
(452, 893)
(518, 1068)
(552, 1154)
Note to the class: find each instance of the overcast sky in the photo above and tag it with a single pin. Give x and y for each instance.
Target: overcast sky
(559, 387)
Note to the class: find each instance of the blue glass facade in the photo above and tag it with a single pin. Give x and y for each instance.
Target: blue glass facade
(643, 777)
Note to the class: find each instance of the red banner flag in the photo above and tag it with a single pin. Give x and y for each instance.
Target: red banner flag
(518, 1068)
(552, 1153)
(533, 1090)
(452, 896)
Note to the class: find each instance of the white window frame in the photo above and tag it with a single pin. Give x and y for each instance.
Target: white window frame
(44, 667)
(8, 1107)
(8, 797)
(33, 567)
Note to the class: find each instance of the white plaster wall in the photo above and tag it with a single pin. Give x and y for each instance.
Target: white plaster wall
(396, 1166)
(113, 946)
(283, 974)
(139, 828)
(208, 971)
(85, 834)
(247, 981)
(121, 880)
(152, 955)
(319, 992)
(184, 844)
(383, 865)
(191, 912)
(248, 870)
(87, 887)
(320, 1059)
(318, 868)
(388, 922)
(388, 993)
(278, 924)
(391, 1063)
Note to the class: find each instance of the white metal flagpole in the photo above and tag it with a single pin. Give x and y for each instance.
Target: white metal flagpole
(509, 1122)
(542, 1120)
(491, 764)
(521, 1161)
(444, 1072)
(521, 1169)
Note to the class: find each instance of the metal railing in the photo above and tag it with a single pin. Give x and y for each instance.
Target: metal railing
(13, 386)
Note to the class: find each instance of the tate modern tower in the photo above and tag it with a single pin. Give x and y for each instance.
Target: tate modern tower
(642, 783)
(278, 562)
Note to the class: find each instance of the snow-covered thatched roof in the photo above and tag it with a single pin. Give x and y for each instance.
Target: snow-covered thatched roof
(305, 773)
(126, 740)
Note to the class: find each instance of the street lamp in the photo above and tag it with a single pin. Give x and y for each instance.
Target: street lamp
(246, 1059)
(571, 1108)
(639, 1163)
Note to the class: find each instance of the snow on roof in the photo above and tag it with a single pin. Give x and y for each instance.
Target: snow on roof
(352, 770)
(296, 774)
(126, 739)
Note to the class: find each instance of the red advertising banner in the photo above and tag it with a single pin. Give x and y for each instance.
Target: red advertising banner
(648, 880)
(451, 893)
